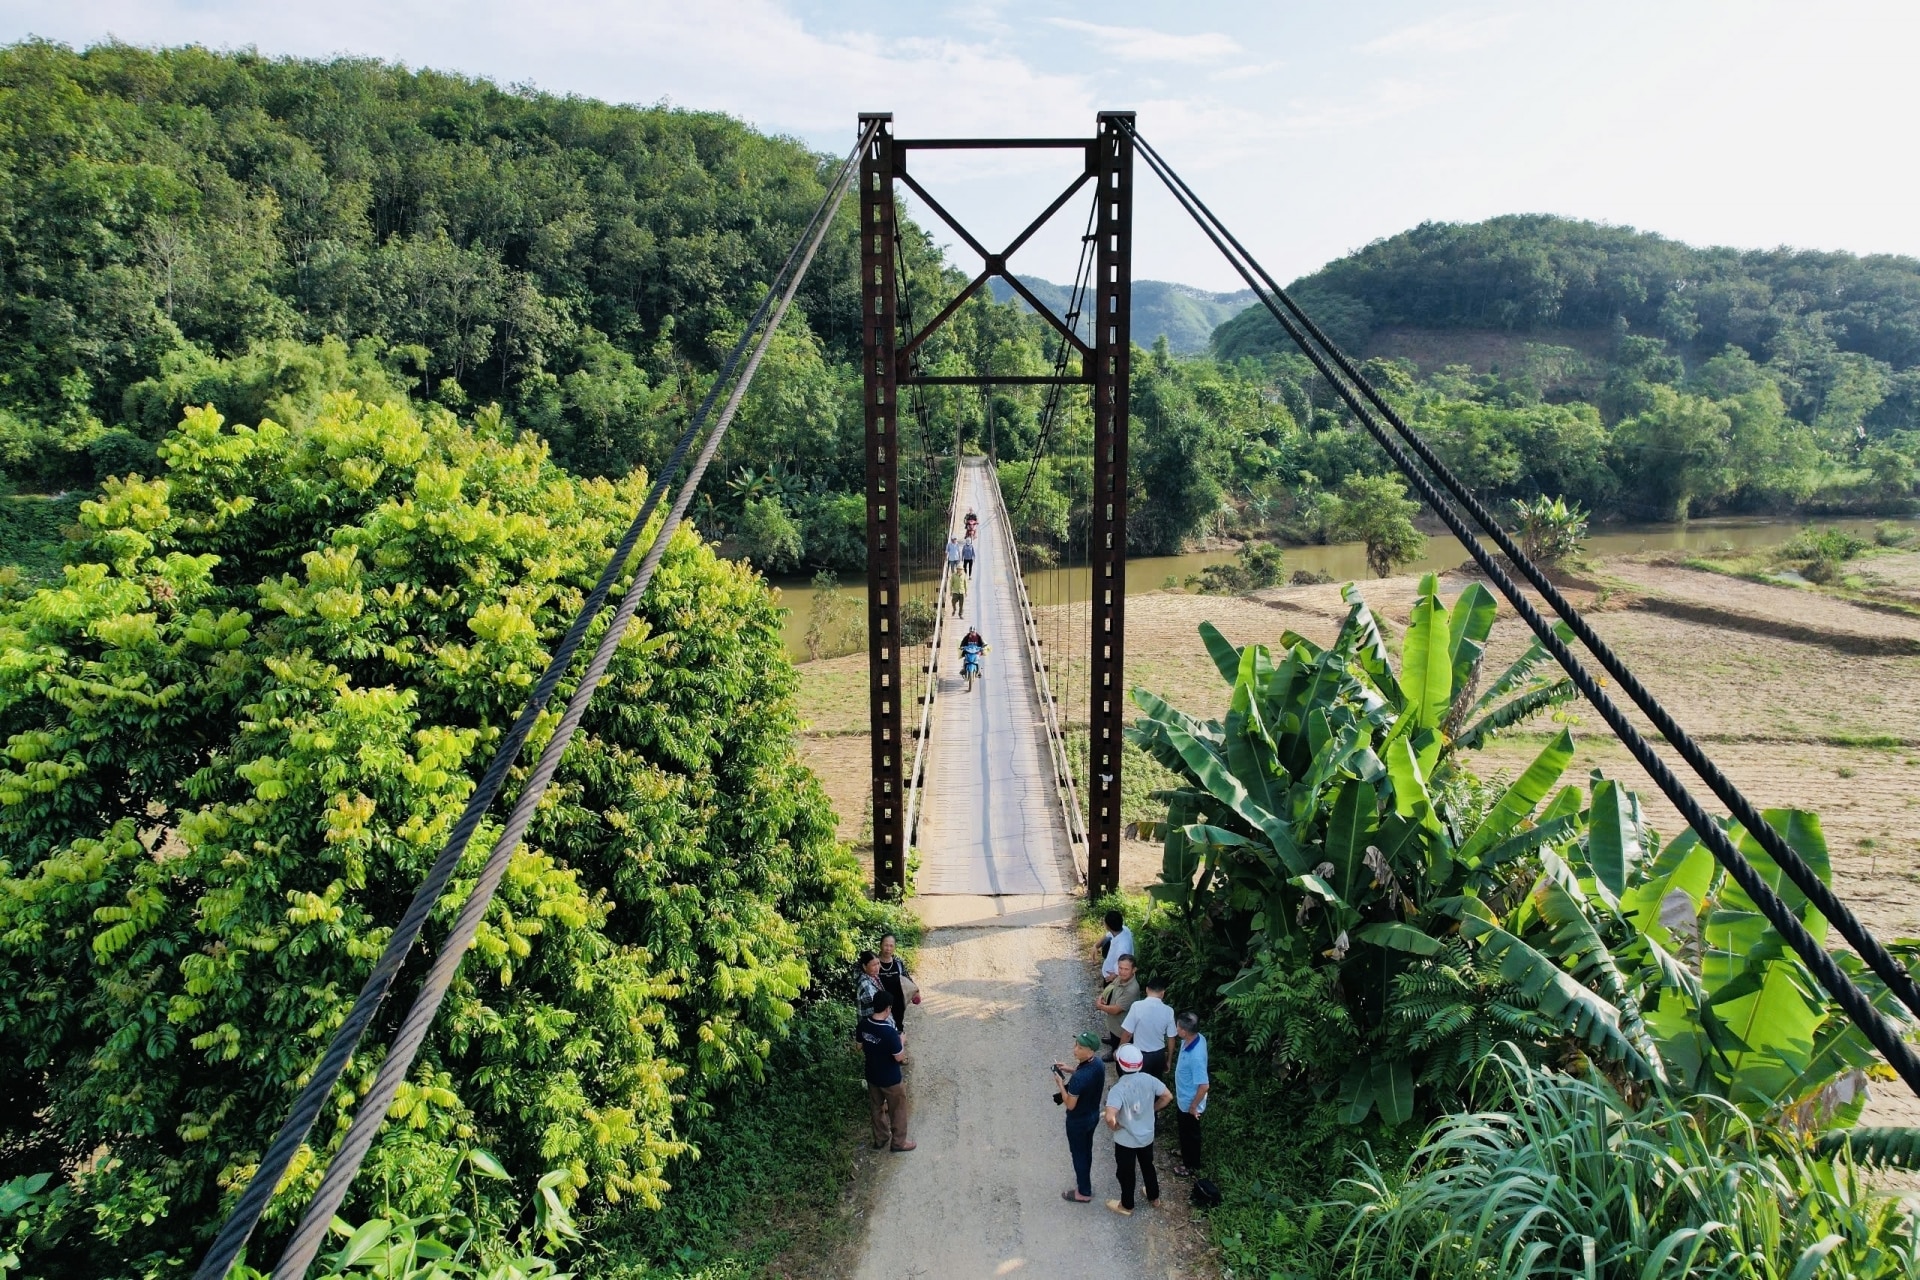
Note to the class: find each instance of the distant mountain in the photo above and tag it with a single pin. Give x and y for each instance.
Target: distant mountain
(1185, 315)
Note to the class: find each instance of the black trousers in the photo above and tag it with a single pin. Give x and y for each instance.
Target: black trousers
(1124, 1158)
(1189, 1126)
(1153, 1062)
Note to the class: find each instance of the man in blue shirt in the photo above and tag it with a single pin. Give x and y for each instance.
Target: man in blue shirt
(887, 1098)
(1080, 1087)
(1190, 1087)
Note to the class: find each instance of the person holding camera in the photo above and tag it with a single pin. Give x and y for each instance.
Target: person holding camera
(1078, 1089)
(1132, 1103)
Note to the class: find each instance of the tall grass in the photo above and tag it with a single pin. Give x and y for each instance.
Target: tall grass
(1561, 1177)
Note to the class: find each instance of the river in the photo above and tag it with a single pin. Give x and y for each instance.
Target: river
(1348, 561)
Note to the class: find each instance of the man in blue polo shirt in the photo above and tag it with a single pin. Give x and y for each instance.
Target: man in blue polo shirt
(1190, 1087)
(887, 1097)
(1080, 1087)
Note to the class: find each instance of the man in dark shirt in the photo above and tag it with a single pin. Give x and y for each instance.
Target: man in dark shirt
(887, 1099)
(1080, 1087)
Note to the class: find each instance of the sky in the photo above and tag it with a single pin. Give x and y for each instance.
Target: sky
(1312, 129)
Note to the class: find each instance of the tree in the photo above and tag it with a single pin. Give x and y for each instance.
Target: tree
(1679, 450)
(237, 733)
(1376, 510)
(1551, 529)
(768, 536)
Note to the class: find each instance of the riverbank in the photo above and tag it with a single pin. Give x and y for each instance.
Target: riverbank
(1343, 562)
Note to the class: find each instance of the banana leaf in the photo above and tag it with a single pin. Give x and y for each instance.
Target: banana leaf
(1398, 936)
(1527, 705)
(1225, 656)
(1386, 1083)
(1211, 772)
(1350, 829)
(1577, 1008)
(1522, 798)
(1473, 614)
(1426, 664)
(1876, 1146)
(1370, 647)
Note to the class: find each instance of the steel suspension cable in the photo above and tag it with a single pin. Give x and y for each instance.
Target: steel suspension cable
(246, 1214)
(1877, 1028)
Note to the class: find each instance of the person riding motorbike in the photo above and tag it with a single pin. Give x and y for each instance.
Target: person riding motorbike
(973, 524)
(973, 648)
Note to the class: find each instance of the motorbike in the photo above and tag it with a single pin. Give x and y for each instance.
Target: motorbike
(970, 666)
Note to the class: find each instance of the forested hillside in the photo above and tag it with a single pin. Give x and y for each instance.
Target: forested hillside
(1705, 377)
(182, 226)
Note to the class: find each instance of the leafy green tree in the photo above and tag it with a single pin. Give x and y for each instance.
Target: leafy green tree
(768, 536)
(236, 734)
(1679, 450)
(1376, 510)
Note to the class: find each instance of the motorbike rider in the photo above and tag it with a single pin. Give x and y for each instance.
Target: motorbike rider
(973, 648)
(973, 524)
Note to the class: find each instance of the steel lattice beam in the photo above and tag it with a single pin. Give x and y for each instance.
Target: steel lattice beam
(1107, 547)
(879, 336)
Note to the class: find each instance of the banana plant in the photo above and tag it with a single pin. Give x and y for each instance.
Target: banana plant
(1318, 824)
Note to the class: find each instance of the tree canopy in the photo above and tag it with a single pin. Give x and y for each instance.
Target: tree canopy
(236, 734)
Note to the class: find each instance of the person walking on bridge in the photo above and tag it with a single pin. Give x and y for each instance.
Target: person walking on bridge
(957, 591)
(966, 556)
(953, 555)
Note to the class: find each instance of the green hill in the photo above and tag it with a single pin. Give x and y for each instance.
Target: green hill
(1828, 323)
(1185, 316)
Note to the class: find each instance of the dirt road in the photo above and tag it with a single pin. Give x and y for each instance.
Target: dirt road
(981, 1197)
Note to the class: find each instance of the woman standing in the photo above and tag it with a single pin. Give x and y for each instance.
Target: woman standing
(894, 977)
(867, 983)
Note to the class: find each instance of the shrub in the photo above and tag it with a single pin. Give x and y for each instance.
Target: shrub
(1552, 530)
(1560, 1176)
(1257, 565)
(768, 536)
(1834, 545)
(236, 735)
(1310, 578)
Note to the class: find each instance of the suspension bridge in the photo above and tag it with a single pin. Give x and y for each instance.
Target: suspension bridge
(988, 788)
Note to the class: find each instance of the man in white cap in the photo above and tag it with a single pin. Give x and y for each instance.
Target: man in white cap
(1131, 1106)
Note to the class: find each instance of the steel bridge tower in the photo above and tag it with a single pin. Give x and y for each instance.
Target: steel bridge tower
(1104, 367)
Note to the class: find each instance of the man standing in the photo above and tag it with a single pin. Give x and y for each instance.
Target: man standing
(887, 1099)
(1119, 942)
(1080, 1092)
(1114, 1000)
(1190, 1092)
(953, 555)
(966, 556)
(1149, 1025)
(1132, 1103)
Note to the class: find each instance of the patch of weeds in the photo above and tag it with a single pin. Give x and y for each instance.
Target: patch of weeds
(1844, 772)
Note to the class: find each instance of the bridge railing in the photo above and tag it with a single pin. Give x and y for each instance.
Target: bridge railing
(1064, 788)
(928, 673)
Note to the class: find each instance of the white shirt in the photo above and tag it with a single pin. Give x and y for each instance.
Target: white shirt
(1119, 944)
(1151, 1022)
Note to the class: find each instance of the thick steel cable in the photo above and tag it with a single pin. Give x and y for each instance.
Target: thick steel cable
(1877, 1028)
(1828, 903)
(246, 1214)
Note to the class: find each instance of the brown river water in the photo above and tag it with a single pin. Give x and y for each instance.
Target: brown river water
(1348, 561)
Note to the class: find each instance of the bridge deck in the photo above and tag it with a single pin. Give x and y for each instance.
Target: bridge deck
(992, 823)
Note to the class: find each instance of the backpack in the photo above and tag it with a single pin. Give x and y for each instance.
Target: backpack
(1206, 1193)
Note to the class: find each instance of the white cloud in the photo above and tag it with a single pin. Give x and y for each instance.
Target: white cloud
(1449, 33)
(1144, 44)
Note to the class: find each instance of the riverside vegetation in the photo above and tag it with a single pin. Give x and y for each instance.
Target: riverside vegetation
(1474, 1027)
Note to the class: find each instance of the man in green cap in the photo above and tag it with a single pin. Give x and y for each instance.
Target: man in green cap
(1080, 1086)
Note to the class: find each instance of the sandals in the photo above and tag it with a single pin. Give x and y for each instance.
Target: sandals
(1074, 1197)
(1119, 1208)
(905, 1146)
